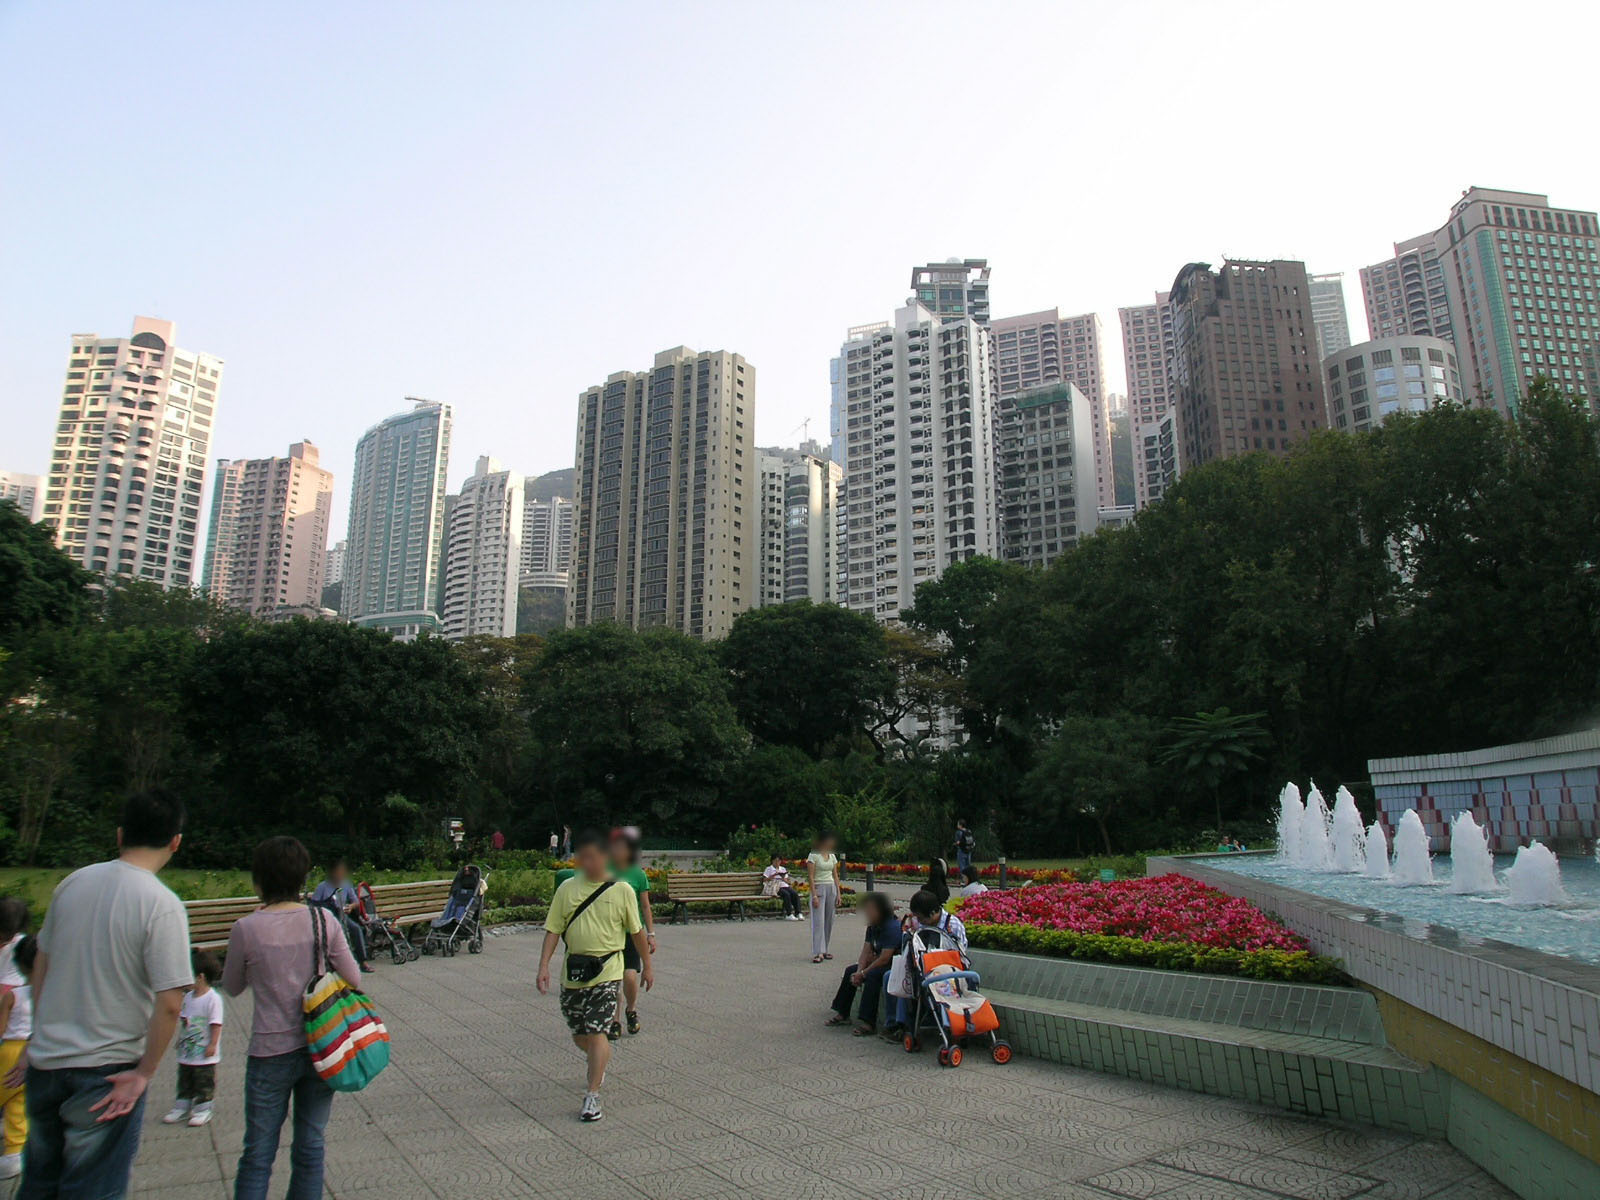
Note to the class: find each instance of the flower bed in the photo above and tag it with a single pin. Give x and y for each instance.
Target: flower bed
(1171, 922)
(992, 871)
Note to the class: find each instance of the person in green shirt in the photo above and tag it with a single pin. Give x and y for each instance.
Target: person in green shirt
(625, 866)
(596, 916)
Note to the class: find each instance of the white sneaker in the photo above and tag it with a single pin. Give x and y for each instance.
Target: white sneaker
(180, 1112)
(591, 1107)
(10, 1166)
(202, 1114)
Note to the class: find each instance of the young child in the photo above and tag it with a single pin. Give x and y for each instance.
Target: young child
(16, 1017)
(199, 1043)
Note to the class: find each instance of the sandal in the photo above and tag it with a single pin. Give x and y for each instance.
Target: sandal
(829, 957)
(863, 1031)
(836, 1019)
(816, 958)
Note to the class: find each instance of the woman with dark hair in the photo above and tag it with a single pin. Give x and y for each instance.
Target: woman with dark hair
(938, 881)
(882, 943)
(271, 952)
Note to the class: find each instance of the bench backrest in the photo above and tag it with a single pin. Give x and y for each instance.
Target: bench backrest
(714, 885)
(211, 921)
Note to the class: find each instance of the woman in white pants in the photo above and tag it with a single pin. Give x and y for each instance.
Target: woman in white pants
(822, 867)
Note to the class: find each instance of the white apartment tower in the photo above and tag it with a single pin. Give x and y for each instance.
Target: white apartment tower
(799, 522)
(333, 564)
(395, 546)
(1406, 294)
(546, 542)
(132, 444)
(1049, 494)
(1328, 314)
(1043, 348)
(25, 491)
(919, 463)
(483, 554)
(267, 538)
(1147, 346)
(772, 473)
(666, 526)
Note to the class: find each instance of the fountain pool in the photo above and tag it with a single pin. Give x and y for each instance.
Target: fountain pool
(1571, 929)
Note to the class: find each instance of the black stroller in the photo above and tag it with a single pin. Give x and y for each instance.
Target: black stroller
(382, 931)
(461, 923)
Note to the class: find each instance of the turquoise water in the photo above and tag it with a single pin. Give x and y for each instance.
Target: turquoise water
(1571, 930)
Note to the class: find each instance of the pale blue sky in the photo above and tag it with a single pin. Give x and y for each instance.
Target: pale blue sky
(496, 205)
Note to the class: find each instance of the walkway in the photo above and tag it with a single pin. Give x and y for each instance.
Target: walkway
(734, 1090)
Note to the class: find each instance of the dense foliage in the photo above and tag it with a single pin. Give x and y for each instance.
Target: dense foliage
(1429, 586)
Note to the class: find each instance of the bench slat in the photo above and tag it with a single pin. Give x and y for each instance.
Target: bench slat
(211, 921)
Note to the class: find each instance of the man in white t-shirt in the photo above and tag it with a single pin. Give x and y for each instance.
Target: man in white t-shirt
(109, 982)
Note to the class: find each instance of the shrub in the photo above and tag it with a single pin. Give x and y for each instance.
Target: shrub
(1288, 966)
(759, 843)
(520, 886)
(514, 913)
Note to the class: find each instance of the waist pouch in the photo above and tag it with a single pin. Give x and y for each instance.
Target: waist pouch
(583, 968)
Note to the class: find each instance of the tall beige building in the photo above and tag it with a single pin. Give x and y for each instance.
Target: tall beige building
(666, 524)
(1245, 373)
(1406, 294)
(1039, 349)
(1147, 355)
(799, 502)
(483, 554)
(266, 546)
(131, 448)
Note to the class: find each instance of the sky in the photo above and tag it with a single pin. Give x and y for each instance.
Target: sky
(499, 204)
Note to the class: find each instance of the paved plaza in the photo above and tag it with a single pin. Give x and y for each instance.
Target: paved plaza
(735, 1090)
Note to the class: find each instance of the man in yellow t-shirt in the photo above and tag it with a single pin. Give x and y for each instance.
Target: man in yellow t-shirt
(598, 916)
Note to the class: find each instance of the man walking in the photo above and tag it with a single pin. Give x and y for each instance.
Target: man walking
(596, 916)
(108, 985)
(965, 845)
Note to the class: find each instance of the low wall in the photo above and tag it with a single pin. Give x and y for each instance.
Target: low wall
(1518, 1031)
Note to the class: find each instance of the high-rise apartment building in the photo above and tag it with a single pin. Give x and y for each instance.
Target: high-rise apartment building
(1329, 315)
(25, 491)
(1156, 464)
(333, 564)
(131, 448)
(666, 525)
(1523, 278)
(394, 550)
(1245, 375)
(1147, 354)
(546, 542)
(1043, 348)
(1368, 382)
(919, 463)
(1406, 294)
(954, 290)
(1049, 496)
(799, 525)
(772, 475)
(266, 543)
(483, 554)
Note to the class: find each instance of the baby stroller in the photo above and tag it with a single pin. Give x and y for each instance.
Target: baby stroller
(461, 923)
(946, 999)
(381, 930)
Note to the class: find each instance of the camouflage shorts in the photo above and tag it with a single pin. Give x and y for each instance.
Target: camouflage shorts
(590, 1010)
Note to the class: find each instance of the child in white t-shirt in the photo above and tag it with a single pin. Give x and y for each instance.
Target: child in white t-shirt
(199, 1044)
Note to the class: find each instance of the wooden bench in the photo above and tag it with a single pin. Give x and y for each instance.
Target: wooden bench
(733, 888)
(211, 921)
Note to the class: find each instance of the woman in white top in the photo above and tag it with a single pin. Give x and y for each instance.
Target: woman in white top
(822, 868)
(776, 882)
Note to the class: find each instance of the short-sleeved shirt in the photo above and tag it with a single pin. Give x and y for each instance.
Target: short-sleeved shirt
(198, 1015)
(885, 936)
(115, 935)
(824, 863)
(20, 1024)
(635, 878)
(602, 930)
(272, 953)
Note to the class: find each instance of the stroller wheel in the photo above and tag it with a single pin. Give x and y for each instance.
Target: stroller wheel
(396, 954)
(474, 947)
(950, 1056)
(1001, 1052)
(427, 949)
(912, 1043)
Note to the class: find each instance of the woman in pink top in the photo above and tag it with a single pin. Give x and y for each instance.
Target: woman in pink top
(271, 953)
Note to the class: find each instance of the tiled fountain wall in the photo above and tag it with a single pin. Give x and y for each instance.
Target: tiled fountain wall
(1548, 789)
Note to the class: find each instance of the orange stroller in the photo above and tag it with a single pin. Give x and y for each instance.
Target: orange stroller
(946, 999)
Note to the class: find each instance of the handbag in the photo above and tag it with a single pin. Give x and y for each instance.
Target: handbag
(347, 1039)
(582, 968)
(899, 981)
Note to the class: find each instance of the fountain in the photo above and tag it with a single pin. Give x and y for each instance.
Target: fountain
(1349, 835)
(1316, 849)
(1413, 865)
(1291, 815)
(1471, 861)
(1376, 852)
(1535, 877)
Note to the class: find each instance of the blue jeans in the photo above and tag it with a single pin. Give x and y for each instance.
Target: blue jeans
(963, 859)
(268, 1085)
(70, 1153)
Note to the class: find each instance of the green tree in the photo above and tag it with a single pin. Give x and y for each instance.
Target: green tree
(1212, 749)
(1091, 767)
(40, 587)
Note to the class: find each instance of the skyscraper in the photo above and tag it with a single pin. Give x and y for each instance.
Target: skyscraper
(1370, 381)
(1147, 355)
(267, 540)
(1244, 370)
(546, 542)
(919, 463)
(1328, 313)
(395, 547)
(1522, 278)
(799, 520)
(1156, 464)
(954, 290)
(772, 474)
(1406, 294)
(1043, 348)
(1048, 494)
(666, 526)
(333, 564)
(483, 554)
(132, 443)
(25, 491)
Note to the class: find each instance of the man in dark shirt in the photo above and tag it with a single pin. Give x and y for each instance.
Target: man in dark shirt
(877, 952)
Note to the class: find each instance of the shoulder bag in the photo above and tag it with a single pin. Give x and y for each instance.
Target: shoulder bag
(583, 968)
(347, 1039)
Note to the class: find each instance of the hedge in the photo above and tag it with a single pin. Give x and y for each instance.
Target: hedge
(1288, 966)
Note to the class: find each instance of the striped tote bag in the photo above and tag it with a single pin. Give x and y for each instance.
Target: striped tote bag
(349, 1044)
